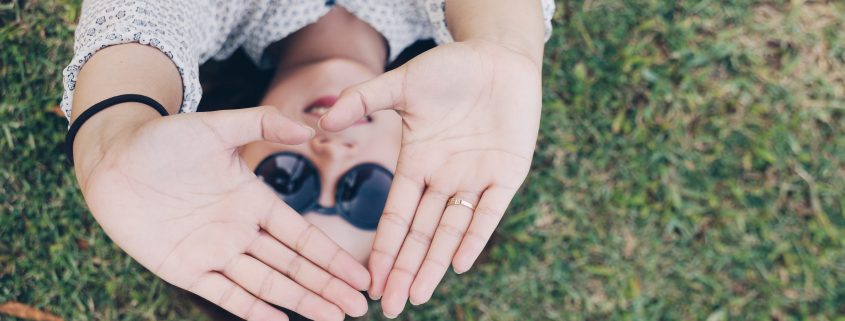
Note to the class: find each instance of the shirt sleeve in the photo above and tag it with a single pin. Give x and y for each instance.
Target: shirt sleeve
(187, 31)
(436, 11)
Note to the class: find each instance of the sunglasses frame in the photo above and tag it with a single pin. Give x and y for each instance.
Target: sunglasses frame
(314, 206)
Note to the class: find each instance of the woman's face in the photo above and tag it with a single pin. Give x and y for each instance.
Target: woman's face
(304, 94)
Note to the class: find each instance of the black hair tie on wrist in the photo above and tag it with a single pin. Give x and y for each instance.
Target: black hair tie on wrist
(98, 107)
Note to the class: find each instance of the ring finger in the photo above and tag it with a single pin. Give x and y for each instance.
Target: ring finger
(413, 250)
(454, 223)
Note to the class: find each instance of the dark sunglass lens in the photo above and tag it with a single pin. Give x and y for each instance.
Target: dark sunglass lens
(293, 177)
(361, 194)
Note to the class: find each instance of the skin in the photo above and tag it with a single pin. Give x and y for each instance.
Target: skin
(297, 85)
(176, 195)
(470, 114)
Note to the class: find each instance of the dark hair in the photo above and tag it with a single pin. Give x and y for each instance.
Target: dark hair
(237, 83)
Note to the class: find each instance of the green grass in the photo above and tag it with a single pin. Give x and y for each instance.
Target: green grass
(691, 166)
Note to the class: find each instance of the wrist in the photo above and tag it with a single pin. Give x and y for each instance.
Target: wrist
(105, 132)
(501, 55)
(515, 25)
(513, 45)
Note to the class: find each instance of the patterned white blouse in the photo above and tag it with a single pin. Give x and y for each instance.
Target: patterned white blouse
(192, 31)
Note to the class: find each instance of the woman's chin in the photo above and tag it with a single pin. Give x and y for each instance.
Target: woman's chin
(354, 240)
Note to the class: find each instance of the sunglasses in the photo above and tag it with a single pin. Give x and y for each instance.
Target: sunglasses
(359, 196)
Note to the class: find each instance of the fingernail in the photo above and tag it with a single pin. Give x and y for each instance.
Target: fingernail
(390, 316)
(462, 271)
(374, 297)
(425, 299)
(311, 132)
(320, 123)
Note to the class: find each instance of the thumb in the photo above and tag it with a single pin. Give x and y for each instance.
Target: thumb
(239, 127)
(382, 92)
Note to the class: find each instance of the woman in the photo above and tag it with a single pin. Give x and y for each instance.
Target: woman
(175, 193)
(315, 65)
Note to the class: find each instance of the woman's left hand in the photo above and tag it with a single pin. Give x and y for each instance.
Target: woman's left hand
(471, 113)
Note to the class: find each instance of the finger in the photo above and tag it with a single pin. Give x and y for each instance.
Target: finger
(382, 92)
(287, 226)
(486, 217)
(221, 291)
(280, 257)
(402, 200)
(447, 238)
(273, 287)
(242, 126)
(414, 249)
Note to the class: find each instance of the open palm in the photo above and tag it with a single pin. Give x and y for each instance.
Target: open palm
(175, 195)
(470, 116)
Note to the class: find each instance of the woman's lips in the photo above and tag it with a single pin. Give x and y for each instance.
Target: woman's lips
(321, 106)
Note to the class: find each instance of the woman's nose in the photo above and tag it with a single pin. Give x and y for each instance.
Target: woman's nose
(332, 147)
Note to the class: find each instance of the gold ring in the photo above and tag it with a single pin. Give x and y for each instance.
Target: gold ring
(458, 201)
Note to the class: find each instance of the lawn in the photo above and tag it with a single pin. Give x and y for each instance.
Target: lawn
(691, 166)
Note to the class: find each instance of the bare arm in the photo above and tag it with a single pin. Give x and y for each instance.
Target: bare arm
(174, 193)
(116, 70)
(517, 25)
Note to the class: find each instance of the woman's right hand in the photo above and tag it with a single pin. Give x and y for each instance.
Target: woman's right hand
(174, 193)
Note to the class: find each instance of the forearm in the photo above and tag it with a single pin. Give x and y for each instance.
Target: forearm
(517, 25)
(117, 70)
